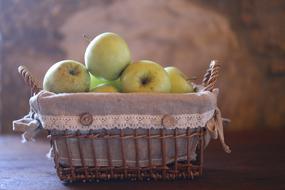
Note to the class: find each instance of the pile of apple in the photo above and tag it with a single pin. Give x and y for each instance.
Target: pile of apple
(109, 68)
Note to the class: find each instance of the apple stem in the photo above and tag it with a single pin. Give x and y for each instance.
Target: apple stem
(87, 37)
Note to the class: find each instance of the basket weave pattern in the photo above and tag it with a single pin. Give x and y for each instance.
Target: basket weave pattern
(176, 169)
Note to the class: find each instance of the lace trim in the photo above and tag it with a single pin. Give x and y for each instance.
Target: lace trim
(133, 121)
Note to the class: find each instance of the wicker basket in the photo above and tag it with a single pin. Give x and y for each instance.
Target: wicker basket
(85, 171)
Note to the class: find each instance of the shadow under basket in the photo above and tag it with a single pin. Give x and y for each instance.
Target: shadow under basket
(143, 154)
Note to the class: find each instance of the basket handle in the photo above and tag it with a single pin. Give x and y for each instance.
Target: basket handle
(26, 75)
(211, 76)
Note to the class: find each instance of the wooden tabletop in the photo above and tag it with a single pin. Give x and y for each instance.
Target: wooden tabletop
(257, 161)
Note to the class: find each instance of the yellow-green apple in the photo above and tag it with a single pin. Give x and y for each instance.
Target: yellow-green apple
(107, 55)
(145, 76)
(104, 88)
(67, 76)
(179, 83)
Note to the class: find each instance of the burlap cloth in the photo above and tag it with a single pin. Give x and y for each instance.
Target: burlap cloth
(113, 111)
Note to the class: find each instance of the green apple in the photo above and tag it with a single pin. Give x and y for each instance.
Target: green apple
(104, 88)
(107, 55)
(94, 82)
(145, 76)
(67, 76)
(179, 83)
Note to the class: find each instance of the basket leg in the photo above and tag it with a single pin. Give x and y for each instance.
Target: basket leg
(92, 141)
(82, 159)
(137, 154)
(56, 157)
(73, 177)
(202, 142)
(149, 152)
(163, 153)
(110, 164)
(176, 153)
(122, 142)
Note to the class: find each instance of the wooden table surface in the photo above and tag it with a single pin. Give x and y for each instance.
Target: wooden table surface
(257, 161)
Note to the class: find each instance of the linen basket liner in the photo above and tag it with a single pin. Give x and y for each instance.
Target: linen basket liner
(114, 111)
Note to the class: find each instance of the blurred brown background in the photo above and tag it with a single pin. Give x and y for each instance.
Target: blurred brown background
(247, 36)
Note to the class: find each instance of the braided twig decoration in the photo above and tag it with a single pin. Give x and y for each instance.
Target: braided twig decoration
(210, 78)
(206, 76)
(24, 72)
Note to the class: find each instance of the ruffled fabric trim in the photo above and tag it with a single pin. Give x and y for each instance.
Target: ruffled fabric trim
(133, 121)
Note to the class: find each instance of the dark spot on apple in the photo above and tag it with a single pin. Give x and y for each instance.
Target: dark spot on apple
(74, 71)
